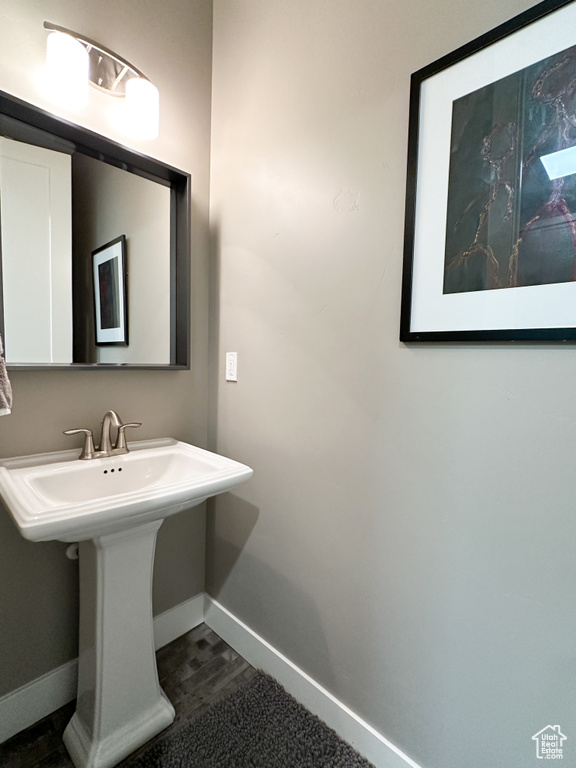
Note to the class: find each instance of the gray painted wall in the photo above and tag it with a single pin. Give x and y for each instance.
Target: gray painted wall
(408, 536)
(171, 42)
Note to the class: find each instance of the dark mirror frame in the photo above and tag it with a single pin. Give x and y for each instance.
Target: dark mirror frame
(99, 147)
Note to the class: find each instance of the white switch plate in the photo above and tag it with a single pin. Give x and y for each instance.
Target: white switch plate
(231, 366)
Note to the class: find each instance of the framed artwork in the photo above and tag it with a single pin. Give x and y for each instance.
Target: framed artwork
(490, 232)
(110, 279)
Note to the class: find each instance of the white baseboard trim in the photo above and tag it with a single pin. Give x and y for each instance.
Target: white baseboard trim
(26, 705)
(176, 621)
(33, 701)
(259, 653)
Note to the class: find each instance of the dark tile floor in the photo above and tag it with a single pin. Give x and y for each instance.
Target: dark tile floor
(195, 671)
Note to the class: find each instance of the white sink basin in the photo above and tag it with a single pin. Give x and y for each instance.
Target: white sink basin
(58, 496)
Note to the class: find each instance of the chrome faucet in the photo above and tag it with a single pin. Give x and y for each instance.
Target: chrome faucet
(105, 448)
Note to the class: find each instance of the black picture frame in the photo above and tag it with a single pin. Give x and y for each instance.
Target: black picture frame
(490, 237)
(110, 291)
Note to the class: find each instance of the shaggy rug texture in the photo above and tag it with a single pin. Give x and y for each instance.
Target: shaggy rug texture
(257, 726)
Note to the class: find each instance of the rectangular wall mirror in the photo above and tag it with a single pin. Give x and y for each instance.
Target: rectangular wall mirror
(65, 193)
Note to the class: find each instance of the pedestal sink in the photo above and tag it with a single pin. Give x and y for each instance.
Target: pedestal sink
(114, 507)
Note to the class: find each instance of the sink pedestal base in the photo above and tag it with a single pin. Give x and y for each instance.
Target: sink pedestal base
(120, 704)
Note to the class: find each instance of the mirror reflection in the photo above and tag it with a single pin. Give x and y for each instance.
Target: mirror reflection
(107, 203)
(61, 204)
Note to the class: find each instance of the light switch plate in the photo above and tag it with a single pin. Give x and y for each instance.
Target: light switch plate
(231, 366)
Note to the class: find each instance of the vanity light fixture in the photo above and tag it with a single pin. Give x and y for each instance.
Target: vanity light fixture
(73, 61)
(67, 65)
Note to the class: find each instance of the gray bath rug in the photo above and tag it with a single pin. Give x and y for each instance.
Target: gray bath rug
(257, 726)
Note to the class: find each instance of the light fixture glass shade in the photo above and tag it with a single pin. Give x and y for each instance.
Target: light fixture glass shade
(142, 108)
(66, 71)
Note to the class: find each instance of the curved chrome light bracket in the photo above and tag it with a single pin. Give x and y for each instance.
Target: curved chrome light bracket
(108, 71)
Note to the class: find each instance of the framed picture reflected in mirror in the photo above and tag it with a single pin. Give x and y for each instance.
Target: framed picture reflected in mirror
(110, 281)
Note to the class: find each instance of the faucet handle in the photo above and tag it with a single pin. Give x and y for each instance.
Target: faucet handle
(88, 450)
(121, 439)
